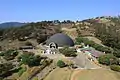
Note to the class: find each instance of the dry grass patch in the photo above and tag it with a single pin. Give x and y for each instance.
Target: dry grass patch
(96, 74)
(70, 32)
(59, 74)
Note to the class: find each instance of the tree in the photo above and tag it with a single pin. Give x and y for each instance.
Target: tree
(56, 22)
(5, 69)
(108, 59)
(30, 59)
(41, 38)
(115, 68)
(9, 54)
(116, 52)
(61, 64)
(0, 48)
(28, 43)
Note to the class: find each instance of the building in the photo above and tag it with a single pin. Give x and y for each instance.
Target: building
(57, 41)
(91, 51)
(26, 48)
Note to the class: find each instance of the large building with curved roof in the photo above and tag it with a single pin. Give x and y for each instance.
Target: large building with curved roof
(60, 40)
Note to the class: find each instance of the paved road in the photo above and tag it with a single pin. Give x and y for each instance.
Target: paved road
(83, 62)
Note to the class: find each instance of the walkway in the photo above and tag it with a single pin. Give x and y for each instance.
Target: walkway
(83, 62)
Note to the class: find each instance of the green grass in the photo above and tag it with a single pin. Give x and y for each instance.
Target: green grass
(21, 71)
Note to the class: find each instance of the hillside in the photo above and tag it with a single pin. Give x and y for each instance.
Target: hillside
(11, 24)
(39, 31)
(105, 28)
(100, 33)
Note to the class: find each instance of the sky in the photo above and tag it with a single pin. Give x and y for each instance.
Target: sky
(38, 10)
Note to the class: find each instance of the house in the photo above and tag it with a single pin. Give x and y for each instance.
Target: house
(96, 53)
(90, 51)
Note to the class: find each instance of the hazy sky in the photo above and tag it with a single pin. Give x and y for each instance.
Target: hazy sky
(37, 10)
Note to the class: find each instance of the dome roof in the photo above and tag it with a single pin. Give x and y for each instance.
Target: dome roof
(61, 40)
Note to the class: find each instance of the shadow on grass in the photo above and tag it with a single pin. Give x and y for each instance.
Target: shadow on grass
(9, 73)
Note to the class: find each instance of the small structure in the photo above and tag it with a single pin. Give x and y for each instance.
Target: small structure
(53, 45)
(96, 53)
(26, 47)
(91, 51)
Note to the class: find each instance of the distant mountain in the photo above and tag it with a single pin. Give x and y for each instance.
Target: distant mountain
(11, 24)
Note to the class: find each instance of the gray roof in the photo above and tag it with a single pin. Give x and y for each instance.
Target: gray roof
(96, 53)
(61, 40)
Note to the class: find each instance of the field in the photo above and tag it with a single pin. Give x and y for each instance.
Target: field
(96, 74)
(59, 74)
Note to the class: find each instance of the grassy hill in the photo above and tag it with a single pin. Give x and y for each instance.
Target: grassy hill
(105, 28)
(102, 30)
(11, 24)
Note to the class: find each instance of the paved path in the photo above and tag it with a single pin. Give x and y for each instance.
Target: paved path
(83, 62)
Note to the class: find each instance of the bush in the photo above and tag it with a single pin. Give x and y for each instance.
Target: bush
(21, 71)
(22, 39)
(5, 68)
(28, 44)
(61, 64)
(108, 59)
(41, 38)
(2, 54)
(9, 54)
(0, 48)
(116, 53)
(69, 52)
(115, 67)
(30, 59)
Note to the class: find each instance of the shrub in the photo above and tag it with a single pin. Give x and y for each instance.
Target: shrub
(35, 78)
(9, 54)
(41, 38)
(5, 68)
(22, 39)
(28, 44)
(2, 54)
(69, 52)
(30, 59)
(21, 71)
(108, 59)
(61, 64)
(0, 48)
(116, 53)
(115, 67)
